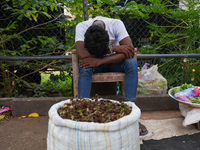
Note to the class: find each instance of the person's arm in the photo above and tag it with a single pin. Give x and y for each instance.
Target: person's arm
(82, 51)
(123, 51)
(125, 43)
(125, 47)
(91, 60)
(94, 62)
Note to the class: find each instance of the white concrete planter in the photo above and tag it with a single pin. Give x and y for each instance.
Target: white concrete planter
(122, 134)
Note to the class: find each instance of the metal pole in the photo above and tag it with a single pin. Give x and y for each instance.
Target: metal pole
(35, 57)
(85, 9)
(69, 57)
(144, 56)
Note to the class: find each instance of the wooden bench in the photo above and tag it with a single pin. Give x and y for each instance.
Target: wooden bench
(97, 77)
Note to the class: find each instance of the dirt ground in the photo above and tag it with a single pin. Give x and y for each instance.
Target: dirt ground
(31, 133)
(24, 134)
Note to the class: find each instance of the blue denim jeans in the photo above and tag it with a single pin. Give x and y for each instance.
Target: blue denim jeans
(128, 66)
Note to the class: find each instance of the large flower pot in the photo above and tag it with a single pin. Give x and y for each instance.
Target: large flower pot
(122, 134)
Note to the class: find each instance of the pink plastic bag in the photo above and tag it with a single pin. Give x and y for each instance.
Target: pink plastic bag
(185, 95)
(5, 109)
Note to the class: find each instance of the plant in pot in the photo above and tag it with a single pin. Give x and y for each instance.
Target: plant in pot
(93, 124)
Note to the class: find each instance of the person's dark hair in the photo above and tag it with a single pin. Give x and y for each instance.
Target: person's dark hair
(96, 40)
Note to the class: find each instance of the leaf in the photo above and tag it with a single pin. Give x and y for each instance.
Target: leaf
(46, 14)
(20, 17)
(52, 7)
(14, 53)
(28, 13)
(51, 40)
(26, 7)
(21, 117)
(2, 116)
(33, 115)
(45, 8)
(34, 17)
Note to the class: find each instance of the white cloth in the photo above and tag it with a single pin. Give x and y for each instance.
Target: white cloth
(115, 28)
(122, 134)
(191, 114)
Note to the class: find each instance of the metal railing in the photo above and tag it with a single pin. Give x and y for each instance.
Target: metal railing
(69, 57)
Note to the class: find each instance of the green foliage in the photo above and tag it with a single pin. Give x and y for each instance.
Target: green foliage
(182, 87)
(103, 8)
(40, 15)
(181, 33)
(47, 44)
(147, 49)
(55, 83)
(19, 11)
(34, 10)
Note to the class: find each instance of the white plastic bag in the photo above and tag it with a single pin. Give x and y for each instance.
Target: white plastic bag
(150, 81)
(191, 114)
(122, 134)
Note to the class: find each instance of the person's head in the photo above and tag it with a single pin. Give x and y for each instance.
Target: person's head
(97, 39)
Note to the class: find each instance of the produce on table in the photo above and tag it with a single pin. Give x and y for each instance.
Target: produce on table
(101, 111)
(184, 95)
(197, 91)
(187, 93)
(195, 100)
(182, 87)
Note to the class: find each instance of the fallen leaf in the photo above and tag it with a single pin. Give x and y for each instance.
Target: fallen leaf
(2, 116)
(21, 117)
(33, 115)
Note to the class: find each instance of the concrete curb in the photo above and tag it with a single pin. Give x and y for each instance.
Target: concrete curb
(41, 105)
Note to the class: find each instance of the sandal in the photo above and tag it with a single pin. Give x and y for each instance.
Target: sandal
(142, 129)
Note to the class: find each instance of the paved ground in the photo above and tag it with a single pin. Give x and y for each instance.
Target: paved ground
(183, 142)
(24, 134)
(31, 133)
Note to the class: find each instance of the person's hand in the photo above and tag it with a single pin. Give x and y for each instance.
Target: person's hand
(128, 50)
(90, 62)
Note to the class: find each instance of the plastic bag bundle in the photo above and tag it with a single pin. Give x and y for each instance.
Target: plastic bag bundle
(186, 94)
(151, 82)
(122, 134)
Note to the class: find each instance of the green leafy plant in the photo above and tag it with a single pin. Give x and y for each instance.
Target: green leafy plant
(37, 15)
(179, 34)
(147, 49)
(59, 84)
